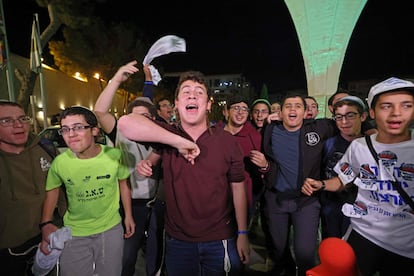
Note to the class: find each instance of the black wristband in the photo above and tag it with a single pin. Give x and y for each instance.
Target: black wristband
(323, 185)
(44, 223)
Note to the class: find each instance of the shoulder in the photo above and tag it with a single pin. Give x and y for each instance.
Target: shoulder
(321, 124)
(112, 151)
(221, 135)
(47, 146)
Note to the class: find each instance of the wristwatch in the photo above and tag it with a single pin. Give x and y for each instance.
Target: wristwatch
(323, 185)
(44, 223)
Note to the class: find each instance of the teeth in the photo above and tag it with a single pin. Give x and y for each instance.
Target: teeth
(191, 107)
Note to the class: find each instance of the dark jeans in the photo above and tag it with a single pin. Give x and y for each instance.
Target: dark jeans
(201, 258)
(373, 259)
(19, 262)
(153, 245)
(333, 222)
(303, 214)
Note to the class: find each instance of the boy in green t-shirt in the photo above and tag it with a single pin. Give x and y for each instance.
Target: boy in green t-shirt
(94, 181)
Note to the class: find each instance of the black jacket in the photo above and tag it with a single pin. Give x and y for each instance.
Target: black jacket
(313, 134)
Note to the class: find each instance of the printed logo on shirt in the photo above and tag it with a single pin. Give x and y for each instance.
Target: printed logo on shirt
(86, 178)
(367, 175)
(312, 138)
(360, 208)
(407, 171)
(107, 176)
(44, 164)
(388, 158)
(346, 169)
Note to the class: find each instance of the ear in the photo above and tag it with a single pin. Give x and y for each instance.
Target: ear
(95, 131)
(364, 116)
(372, 113)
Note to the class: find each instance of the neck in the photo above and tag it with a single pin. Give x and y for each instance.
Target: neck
(350, 138)
(232, 128)
(11, 148)
(90, 152)
(195, 131)
(386, 138)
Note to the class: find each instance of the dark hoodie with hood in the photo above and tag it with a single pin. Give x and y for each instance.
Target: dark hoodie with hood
(22, 191)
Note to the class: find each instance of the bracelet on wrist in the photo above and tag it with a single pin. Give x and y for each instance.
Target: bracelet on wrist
(242, 232)
(265, 167)
(44, 223)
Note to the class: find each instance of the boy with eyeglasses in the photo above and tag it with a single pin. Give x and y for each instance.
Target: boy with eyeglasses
(250, 141)
(349, 113)
(24, 164)
(95, 183)
(260, 111)
(382, 221)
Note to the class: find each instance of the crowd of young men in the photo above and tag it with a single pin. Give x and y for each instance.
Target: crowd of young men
(307, 171)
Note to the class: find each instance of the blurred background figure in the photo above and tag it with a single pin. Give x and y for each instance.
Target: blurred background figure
(275, 107)
(312, 108)
(260, 111)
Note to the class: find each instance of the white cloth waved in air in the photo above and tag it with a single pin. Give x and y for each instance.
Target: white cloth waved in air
(163, 46)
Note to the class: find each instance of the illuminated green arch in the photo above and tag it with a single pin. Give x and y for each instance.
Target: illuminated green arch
(324, 28)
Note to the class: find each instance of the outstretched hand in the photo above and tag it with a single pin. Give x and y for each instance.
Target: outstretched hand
(275, 116)
(125, 71)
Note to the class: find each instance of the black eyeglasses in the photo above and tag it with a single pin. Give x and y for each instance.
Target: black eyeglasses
(347, 116)
(240, 109)
(77, 129)
(9, 121)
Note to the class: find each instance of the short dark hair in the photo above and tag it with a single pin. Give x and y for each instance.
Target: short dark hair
(289, 96)
(313, 99)
(160, 100)
(196, 76)
(151, 108)
(236, 98)
(339, 91)
(9, 103)
(89, 116)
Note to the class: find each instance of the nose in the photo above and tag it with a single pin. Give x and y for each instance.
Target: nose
(396, 110)
(192, 95)
(16, 122)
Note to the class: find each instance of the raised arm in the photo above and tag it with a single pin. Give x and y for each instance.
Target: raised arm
(148, 89)
(137, 127)
(104, 101)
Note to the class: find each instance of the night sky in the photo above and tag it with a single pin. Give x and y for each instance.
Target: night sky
(256, 38)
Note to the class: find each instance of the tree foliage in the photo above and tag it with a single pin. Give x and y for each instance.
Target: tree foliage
(98, 48)
(81, 41)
